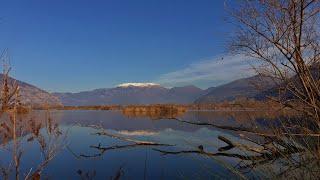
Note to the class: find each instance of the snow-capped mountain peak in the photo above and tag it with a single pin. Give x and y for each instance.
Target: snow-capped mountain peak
(125, 85)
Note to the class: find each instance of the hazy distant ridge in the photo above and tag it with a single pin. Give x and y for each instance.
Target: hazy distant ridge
(148, 93)
(251, 87)
(32, 95)
(131, 94)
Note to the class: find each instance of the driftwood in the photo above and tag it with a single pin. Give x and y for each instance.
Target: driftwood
(103, 150)
(257, 155)
(248, 130)
(136, 143)
(232, 145)
(104, 133)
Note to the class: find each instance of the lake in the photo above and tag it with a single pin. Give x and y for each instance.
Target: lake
(86, 154)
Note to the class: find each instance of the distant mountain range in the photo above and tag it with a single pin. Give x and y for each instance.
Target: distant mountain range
(147, 93)
(251, 87)
(32, 95)
(132, 93)
(256, 87)
(150, 93)
(274, 91)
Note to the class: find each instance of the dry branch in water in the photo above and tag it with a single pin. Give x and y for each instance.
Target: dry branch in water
(257, 156)
(136, 143)
(282, 37)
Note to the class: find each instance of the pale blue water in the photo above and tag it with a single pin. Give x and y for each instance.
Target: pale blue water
(137, 162)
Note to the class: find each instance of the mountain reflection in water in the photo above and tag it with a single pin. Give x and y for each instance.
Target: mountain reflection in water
(88, 153)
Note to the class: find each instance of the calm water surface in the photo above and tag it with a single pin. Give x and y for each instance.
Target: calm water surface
(141, 162)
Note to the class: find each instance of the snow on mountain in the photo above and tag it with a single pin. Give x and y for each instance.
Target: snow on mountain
(124, 85)
(132, 93)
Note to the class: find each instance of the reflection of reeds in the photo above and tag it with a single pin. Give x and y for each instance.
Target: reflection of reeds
(100, 107)
(17, 130)
(17, 127)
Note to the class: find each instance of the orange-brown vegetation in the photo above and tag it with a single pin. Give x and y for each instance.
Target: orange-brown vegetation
(16, 123)
(239, 104)
(103, 107)
(155, 111)
(236, 105)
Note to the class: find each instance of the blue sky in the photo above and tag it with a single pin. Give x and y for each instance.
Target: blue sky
(75, 45)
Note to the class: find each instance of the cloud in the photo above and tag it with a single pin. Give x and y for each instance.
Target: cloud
(208, 73)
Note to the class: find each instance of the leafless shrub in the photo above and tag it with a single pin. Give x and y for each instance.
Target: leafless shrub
(17, 127)
(284, 37)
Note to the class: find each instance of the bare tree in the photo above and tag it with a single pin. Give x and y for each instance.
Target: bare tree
(283, 36)
(9, 89)
(20, 128)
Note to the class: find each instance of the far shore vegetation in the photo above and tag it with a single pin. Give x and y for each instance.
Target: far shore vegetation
(240, 103)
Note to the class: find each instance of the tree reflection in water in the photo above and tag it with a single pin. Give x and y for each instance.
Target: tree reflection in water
(19, 130)
(277, 149)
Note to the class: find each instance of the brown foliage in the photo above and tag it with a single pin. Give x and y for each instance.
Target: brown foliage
(154, 111)
(283, 36)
